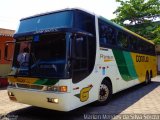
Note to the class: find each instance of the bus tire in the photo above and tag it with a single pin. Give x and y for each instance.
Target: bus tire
(105, 93)
(151, 75)
(147, 78)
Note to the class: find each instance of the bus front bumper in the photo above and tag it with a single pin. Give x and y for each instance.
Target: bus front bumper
(49, 100)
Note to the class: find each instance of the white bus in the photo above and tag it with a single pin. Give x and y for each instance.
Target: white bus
(76, 58)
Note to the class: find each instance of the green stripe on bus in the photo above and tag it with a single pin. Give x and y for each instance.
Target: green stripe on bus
(120, 60)
(130, 64)
(46, 81)
(77, 95)
(125, 64)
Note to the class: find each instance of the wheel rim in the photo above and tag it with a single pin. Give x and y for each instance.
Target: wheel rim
(104, 93)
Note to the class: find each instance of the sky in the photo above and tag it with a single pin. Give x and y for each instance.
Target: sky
(11, 11)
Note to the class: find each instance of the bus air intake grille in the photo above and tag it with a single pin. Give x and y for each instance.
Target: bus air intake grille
(36, 87)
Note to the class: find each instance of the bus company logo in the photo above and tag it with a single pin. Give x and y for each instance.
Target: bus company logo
(46, 30)
(84, 93)
(140, 58)
(106, 58)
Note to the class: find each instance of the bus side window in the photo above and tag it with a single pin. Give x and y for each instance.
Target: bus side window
(107, 34)
(123, 40)
(152, 48)
(141, 46)
(144, 46)
(85, 22)
(132, 42)
(138, 46)
(102, 35)
(111, 35)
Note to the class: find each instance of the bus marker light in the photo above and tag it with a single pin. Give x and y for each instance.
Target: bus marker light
(63, 88)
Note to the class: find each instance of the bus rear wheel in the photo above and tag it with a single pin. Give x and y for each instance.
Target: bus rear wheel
(105, 93)
(147, 79)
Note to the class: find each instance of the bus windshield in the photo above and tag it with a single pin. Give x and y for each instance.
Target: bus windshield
(49, 21)
(44, 38)
(43, 56)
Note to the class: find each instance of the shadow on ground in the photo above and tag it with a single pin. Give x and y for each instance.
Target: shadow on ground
(3, 88)
(119, 103)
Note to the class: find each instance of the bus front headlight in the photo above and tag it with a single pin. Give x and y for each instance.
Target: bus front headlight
(52, 100)
(52, 88)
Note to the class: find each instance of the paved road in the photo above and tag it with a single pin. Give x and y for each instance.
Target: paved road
(136, 100)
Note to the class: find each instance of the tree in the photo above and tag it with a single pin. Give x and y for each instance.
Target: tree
(139, 16)
(157, 33)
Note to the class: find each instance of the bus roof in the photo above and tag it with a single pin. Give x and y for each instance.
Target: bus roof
(125, 29)
(108, 21)
(66, 9)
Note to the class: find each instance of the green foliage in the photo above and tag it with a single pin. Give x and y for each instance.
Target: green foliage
(156, 32)
(138, 16)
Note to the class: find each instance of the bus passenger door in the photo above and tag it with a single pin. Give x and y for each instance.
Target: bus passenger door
(79, 58)
(83, 61)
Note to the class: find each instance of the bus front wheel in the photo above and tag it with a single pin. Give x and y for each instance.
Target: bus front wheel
(105, 93)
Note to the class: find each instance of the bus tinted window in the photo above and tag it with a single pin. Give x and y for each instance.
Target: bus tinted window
(107, 34)
(50, 21)
(84, 51)
(132, 41)
(84, 21)
(152, 49)
(144, 46)
(123, 41)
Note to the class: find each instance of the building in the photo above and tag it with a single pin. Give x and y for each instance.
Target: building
(6, 53)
